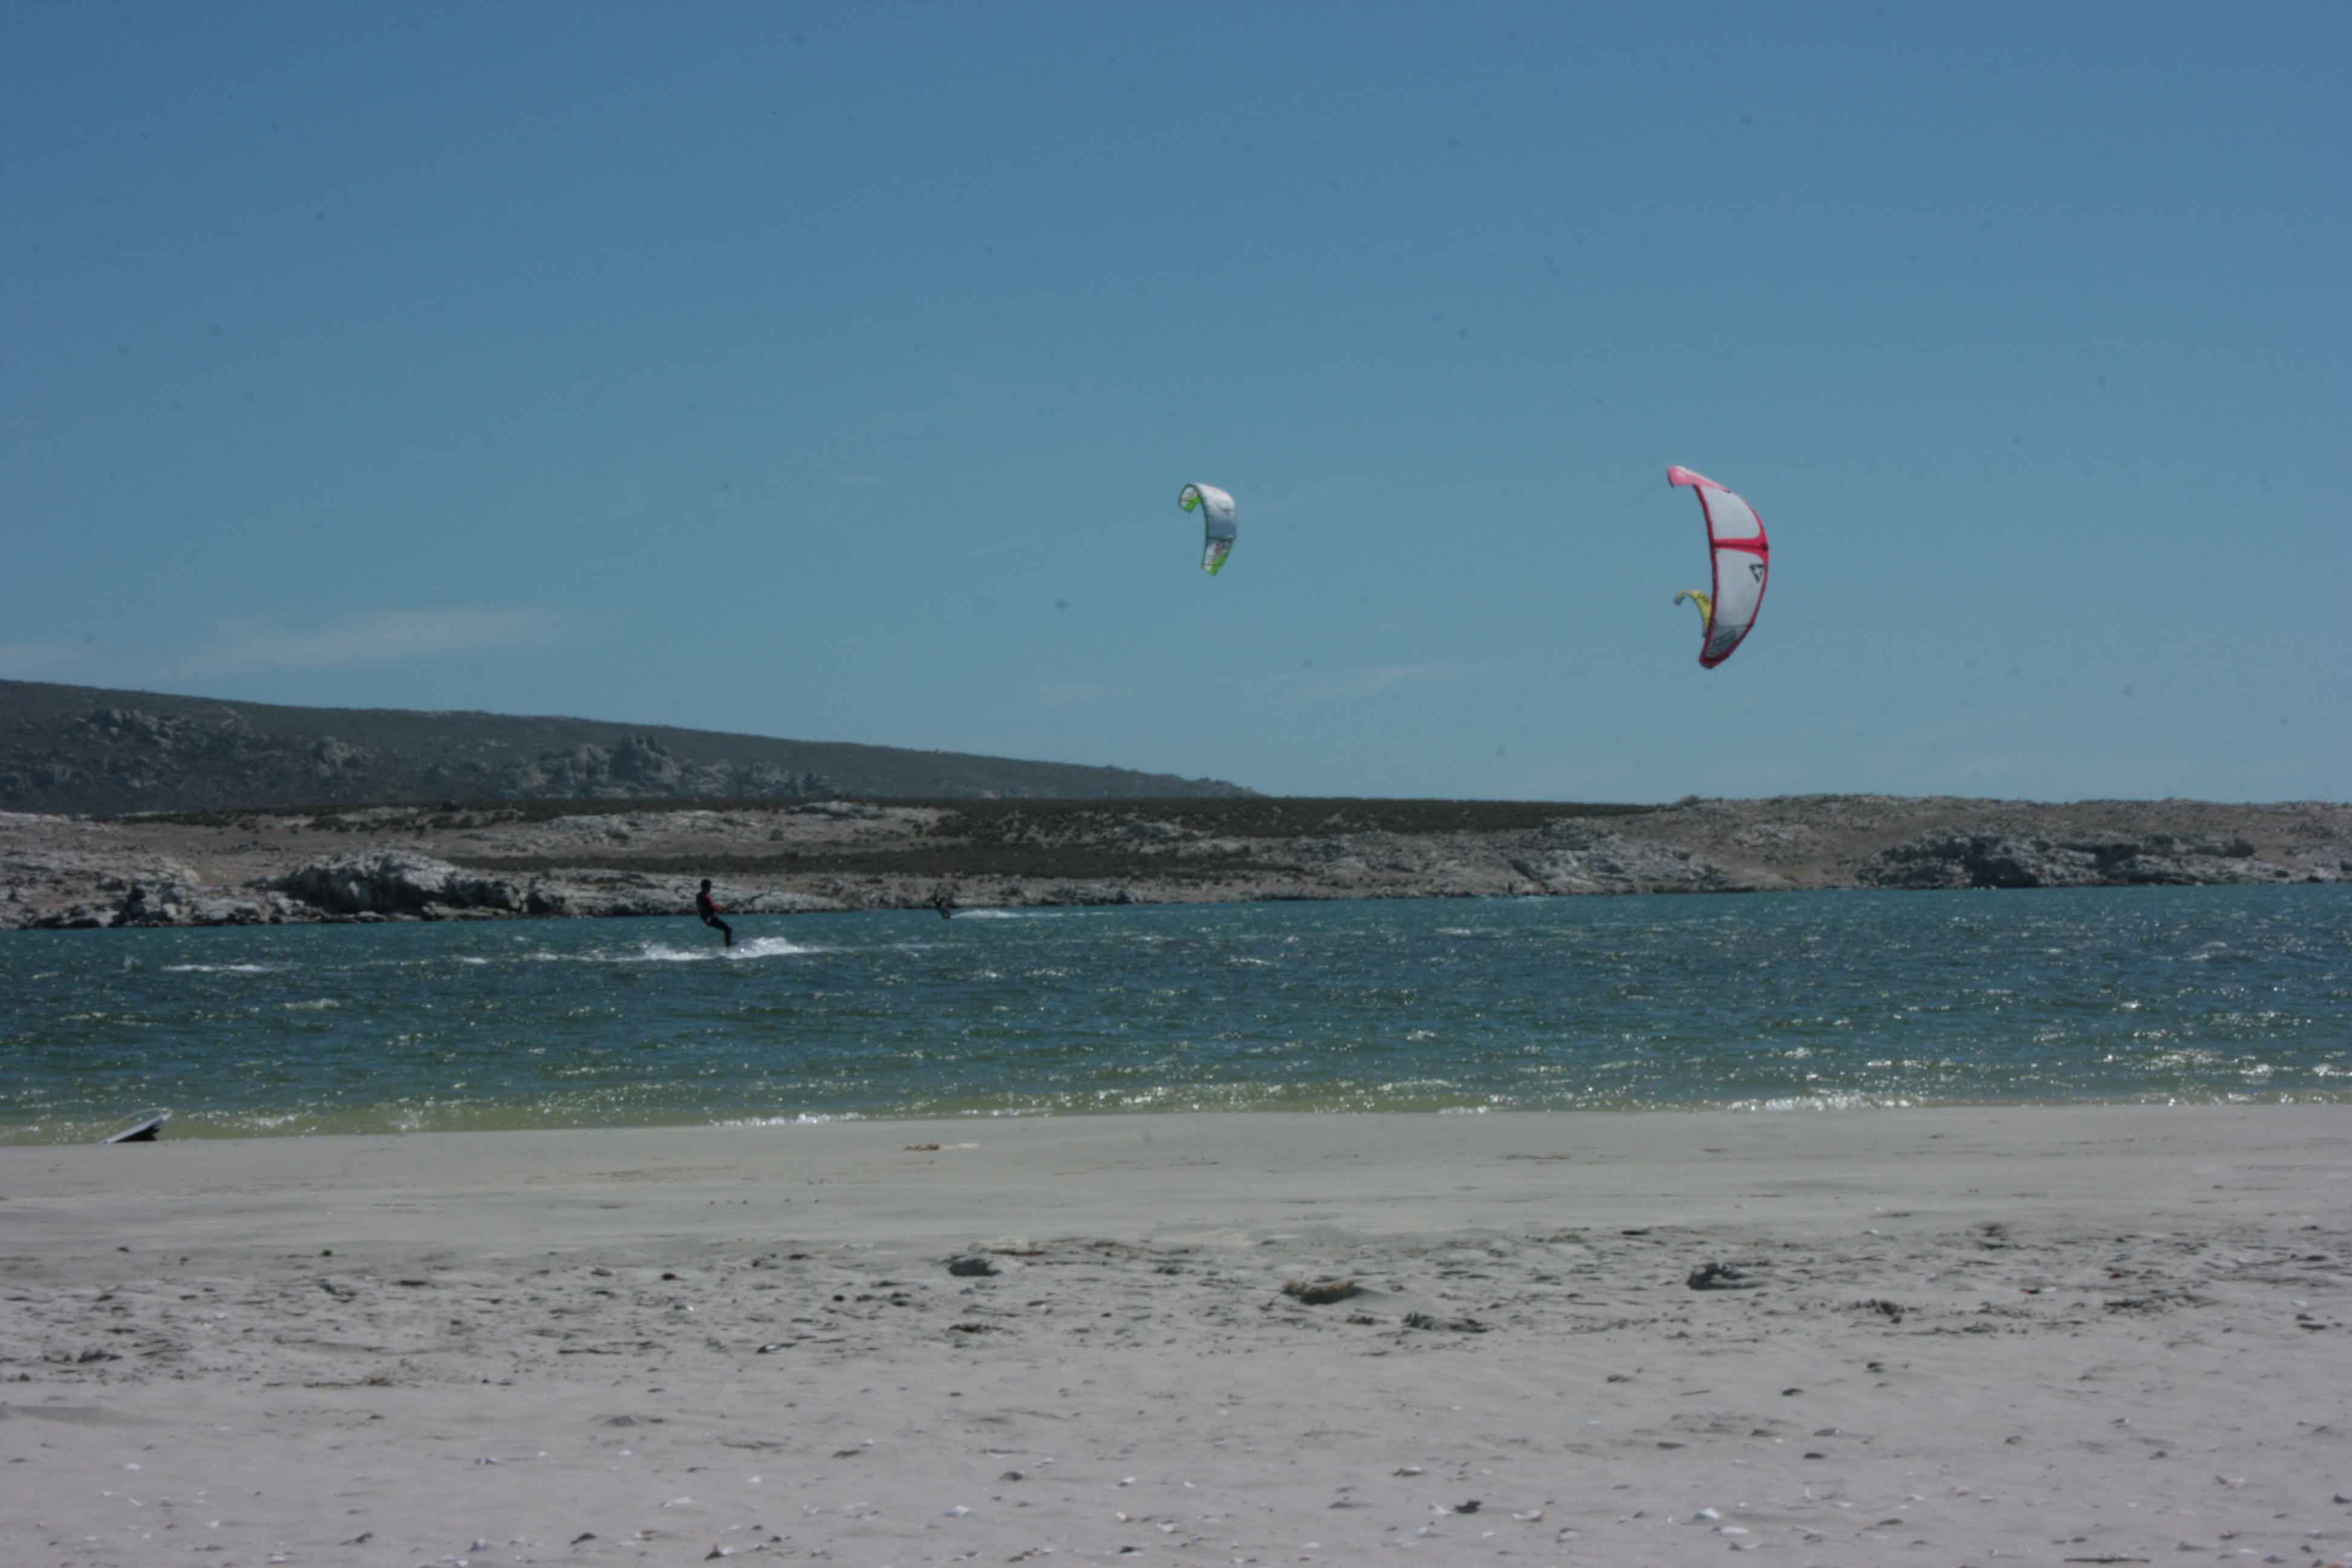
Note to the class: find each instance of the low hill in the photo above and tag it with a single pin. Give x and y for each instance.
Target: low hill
(79, 749)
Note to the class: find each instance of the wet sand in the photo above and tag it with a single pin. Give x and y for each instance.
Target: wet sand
(1969, 1336)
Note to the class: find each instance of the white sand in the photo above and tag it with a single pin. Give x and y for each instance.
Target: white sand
(2124, 1334)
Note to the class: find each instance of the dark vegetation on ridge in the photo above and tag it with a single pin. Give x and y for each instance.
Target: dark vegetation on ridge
(1189, 840)
(88, 750)
(947, 863)
(1257, 817)
(1024, 821)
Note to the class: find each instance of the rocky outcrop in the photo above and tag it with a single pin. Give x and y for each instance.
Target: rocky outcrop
(394, 882)
(331, 758)
(174, 904)
(638, 766)
(1572, 857)
(84, 875)
(73, 917)
(1947, 859)
(161, 905)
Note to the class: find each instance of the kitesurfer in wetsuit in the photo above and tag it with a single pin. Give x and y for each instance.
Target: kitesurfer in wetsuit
(709, 912)
(944, 902)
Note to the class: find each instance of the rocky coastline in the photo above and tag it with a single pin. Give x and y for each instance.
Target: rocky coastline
(499, 861)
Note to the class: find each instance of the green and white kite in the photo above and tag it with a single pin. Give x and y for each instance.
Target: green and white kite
(1217, 523)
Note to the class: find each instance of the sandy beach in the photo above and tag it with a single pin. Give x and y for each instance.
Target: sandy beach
(1967, 1336)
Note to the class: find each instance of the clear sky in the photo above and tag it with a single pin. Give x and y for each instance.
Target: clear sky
(830, 371)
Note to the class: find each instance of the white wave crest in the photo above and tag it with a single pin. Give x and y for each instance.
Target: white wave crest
(806, 1119)
(758, 947)
(1028, 914)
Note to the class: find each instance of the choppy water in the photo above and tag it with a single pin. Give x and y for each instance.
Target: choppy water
(1794, 1001)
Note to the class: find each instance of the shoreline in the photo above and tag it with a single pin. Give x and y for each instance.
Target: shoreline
(917, 900)
(1274, 1140)
(1958, 1334)
(520, 860)
(179, 1127)
(1163, 1123)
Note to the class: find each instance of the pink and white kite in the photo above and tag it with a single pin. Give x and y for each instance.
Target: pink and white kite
(1740, 556)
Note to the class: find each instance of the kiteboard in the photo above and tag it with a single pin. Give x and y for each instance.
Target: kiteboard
(146, 1131)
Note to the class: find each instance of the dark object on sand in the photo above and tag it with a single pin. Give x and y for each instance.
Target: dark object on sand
(146, 1131)
(971, 1264)
(1315, 1292)
(1719, 1277)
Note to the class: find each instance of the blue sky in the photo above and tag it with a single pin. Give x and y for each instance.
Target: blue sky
(830, 371)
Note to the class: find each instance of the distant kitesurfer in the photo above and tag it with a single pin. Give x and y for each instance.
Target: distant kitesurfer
(944, 902)
(709, 911)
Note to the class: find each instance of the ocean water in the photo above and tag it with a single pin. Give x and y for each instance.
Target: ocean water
(1776, 1003)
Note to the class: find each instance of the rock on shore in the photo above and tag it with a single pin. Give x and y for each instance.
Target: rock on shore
(1945, 859)
(391, 882)
(1572, 857)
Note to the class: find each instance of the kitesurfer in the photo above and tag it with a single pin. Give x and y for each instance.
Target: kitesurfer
(709, 910)
(944, 902)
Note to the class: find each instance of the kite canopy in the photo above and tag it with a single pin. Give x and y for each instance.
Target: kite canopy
(1217, 522)
(1740, 555)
